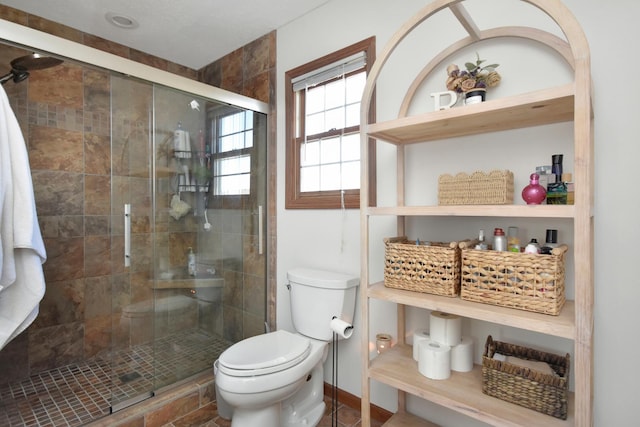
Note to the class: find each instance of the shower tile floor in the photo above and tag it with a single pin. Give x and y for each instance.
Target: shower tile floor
(77, 394)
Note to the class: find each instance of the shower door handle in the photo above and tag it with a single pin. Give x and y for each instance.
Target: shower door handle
(260, 238)
(127, 235)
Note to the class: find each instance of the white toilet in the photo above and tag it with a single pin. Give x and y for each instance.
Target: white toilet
(276, 379)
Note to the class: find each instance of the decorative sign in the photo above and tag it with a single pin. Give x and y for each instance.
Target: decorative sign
(437, 98)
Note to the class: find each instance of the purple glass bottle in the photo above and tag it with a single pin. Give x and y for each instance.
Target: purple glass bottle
(534, 193)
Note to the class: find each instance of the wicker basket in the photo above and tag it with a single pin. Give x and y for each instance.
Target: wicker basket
(523, 386)
(529, 282)
(479, 188)
(432, 269)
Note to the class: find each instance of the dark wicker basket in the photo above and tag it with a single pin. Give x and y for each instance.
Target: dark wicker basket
(523, 386)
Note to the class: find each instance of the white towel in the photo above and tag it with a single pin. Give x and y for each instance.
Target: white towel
(22, 251)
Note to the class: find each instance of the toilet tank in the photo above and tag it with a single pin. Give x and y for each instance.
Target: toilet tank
(317, 297)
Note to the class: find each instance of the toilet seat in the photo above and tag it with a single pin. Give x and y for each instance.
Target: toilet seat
(264, 354)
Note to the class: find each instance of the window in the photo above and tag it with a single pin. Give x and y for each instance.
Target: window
(323, 129)
(232, 154)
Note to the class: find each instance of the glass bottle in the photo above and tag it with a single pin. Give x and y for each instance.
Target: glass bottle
(513, 242)
(534, 193)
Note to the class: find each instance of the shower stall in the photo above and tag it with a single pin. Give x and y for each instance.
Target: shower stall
(150, 198)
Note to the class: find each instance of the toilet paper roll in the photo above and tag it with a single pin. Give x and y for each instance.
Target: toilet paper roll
(417, 337)
(445, 328)
(434, 360)
(462, 355)
(342, 328)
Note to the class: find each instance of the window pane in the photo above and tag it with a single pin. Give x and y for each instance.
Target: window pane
(315, 100)
(351, 147)
(334, 119)
(233, 165)
(231, 142)
(232, 185)
(355, 86)
(248, 121)
(351, 175)
(330, 150)
(315, 123)
(353, 115)
(310, 153)
(330, 177)
(334, 95)
(248, 139)
(310, 179)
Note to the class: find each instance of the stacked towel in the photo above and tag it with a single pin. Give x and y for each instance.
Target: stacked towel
(22, 250)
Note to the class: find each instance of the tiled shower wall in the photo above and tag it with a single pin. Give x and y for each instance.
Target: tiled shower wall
(64, 116)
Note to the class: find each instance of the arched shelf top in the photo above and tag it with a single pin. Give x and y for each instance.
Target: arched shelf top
(575, 50)
(543, 37)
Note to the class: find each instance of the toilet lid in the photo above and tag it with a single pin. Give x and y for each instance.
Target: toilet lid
(264, 354)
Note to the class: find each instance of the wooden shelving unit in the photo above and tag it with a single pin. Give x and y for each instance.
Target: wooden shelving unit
(567, 103)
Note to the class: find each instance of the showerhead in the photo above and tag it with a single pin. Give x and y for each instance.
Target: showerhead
(20, 66)
(35, 61)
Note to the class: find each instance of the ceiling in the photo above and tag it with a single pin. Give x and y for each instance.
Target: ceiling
(192, 33)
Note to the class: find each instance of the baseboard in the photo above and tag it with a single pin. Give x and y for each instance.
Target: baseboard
(353, 401)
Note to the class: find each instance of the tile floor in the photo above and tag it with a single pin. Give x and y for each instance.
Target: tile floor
(76, 394)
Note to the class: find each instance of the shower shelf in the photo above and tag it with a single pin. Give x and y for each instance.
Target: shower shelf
(161, 172)
(181, 283)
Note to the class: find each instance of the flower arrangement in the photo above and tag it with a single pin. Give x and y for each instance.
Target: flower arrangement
(475, 76)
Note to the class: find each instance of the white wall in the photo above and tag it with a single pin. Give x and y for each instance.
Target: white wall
(329, 238)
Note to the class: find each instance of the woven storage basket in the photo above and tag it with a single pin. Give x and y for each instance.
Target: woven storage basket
(479, 188)
(432, 269)
(529, 282)
(524, 386)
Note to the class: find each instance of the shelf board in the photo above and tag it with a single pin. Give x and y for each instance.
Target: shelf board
(462, 392)
(562, 325)
(404, 419)
(513, 211)
(541, 107)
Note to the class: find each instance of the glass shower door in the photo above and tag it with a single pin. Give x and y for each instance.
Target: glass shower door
(132, 231)
(210, 286)
(188, 185)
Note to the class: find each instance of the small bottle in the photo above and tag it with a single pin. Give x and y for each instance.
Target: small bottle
(482, 245)
(191, 262)
(534, 193)
(513, 242)
(551, 241)
(499, 240)
(556, 166)
(570, 186)
(532, 247)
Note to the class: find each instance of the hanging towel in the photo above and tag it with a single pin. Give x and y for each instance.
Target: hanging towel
(22, 251)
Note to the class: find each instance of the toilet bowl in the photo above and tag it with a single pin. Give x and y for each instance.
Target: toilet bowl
(276, 379)
(258, 371)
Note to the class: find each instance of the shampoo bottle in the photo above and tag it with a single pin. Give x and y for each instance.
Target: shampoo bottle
(191, 262)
